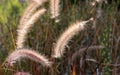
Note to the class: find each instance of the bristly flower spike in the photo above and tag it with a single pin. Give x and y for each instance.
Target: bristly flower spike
(23, 30)
(66, 37)
(55, 9)
(26, 53)
(40, 2)
(22, 73)
(29, 11)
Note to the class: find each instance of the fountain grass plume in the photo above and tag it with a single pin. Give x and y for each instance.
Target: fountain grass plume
(22, 73)
(24, 29)
(66, 36)
(54, 8)
(28, 12)
(40, 2)
(26, 53)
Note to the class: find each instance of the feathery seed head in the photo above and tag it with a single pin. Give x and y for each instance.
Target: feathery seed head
(66, 36)
(25, 53)
(30, 9)
(54, 8)
(28, 12)
(40, 1)
(22, 73)
(24, 29)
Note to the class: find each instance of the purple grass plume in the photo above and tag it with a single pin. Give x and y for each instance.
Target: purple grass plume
(26, 53)
(22, 73)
